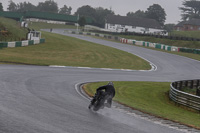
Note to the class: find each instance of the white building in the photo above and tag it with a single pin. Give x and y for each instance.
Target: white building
(132, 24)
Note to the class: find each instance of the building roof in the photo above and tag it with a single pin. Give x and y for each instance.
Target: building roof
(193, 22)
(190, 22)
(180, 24)
(133, 21)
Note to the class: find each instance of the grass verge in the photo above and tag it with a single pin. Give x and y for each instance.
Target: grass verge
(189, 55)
(63, 50)
(152, 98)
(14, 31)
(194, 34)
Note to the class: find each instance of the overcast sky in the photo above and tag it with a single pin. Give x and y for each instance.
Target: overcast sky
(121, 7)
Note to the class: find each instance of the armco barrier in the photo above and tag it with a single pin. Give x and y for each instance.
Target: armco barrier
(20, 43)
(30, 42)
(11, 44)
(24, 43)
(36, 41)
(184, 98)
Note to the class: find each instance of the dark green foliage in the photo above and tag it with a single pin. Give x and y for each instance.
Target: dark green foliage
(48, 6)
(65, 10)
(98, 14)
(156, 12)
(1, 7)
(169, 27)
(12, 6)
(138, 13)
(101, 14)
(82, 21)
(22, 7)
(190, 10)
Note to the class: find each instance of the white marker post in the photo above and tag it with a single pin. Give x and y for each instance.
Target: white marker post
(77, 22)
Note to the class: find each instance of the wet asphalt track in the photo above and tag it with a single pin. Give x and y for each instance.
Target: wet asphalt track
(42, 99)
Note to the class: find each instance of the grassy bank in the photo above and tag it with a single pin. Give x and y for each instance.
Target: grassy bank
(63, 50)
(152, 98)
(13, 30)
(194, 34)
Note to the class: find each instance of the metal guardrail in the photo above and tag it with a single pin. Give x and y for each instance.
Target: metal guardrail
(184, 98)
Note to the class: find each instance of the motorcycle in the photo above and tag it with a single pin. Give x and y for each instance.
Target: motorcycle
(98, 101)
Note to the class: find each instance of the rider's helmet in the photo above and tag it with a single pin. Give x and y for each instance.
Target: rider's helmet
(110, 83)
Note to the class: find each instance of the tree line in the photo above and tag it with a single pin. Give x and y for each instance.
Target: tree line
(47, 6)
(190, 9)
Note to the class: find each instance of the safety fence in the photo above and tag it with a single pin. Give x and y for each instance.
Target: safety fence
(177, 95)
(20, 43)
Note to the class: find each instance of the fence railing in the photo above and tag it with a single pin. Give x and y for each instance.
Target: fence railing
(181, 97)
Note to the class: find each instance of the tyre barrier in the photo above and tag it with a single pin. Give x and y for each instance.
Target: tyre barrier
(141, 43)
(178, 96)
(149, 44)
(20, 43)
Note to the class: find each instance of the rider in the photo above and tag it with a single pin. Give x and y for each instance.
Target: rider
(109, 92)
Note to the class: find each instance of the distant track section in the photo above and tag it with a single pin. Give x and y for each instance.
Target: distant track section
(43, 15)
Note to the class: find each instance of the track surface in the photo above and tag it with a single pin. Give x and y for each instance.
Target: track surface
(41, 99)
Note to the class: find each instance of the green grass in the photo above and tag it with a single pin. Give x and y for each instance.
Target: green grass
(189, 55)
(194, 34)
(15, 32)
(152, 98)
(63, 50)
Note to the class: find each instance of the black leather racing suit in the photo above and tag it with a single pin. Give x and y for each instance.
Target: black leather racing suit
(109, 91)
